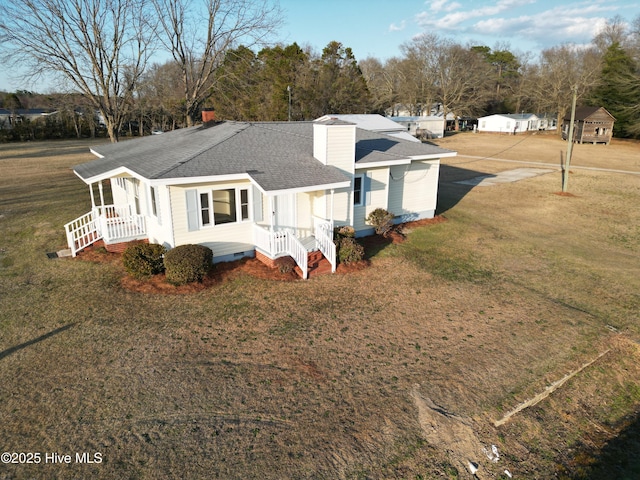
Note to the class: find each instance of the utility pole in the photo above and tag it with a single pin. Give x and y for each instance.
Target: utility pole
(565, 177)
(289, 90)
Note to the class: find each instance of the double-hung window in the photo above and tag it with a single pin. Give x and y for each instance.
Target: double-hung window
(218, 207)
(358, 190)
(155, 203)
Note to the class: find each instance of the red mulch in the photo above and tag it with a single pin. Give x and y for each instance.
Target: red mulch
(222, 272)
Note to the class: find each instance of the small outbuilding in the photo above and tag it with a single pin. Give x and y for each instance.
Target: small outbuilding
(591, 125)
(509, 123)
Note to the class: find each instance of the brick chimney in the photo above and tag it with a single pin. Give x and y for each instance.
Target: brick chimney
(208, 115)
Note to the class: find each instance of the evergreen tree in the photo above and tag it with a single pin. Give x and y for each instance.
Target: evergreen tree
(341, 85)
(619, 90)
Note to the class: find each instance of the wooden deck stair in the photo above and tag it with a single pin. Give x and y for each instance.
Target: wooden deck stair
(317, 265)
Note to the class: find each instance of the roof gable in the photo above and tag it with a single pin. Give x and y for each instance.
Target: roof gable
(583, 113)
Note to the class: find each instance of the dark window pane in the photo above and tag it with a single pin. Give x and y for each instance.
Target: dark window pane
(224, 206)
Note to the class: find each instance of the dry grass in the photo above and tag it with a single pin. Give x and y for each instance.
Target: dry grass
(328, 378)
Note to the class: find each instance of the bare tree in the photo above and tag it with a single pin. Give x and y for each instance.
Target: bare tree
(453, 75)
(417, 79)
(382, 83)
(100, 47)
(613, 31)
(161, 89)
(560, 69)
(199, 33)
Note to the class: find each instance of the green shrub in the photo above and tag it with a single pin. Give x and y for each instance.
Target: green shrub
(381, 220)
(187, 263)
(349, 250)
(143, 259)
(344, 231)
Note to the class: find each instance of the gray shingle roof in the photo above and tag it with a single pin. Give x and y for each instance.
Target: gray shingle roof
(374, 147)
(277, 155)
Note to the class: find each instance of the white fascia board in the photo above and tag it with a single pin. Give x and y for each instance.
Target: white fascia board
(435, 156)
(209, 179)
(96, 153)
(311, 188)
(110, 174)
(388, 163)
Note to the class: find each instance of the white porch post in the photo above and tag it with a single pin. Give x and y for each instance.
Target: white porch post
(273, 213)
(331, 215)
(271, 220)
(101, 194)
(93, 201)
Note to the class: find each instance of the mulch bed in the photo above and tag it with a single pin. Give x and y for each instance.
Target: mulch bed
(225, 271)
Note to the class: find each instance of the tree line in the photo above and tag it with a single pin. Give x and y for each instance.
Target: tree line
(219, 55)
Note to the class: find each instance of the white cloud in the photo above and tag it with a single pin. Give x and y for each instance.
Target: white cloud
(571, 23)
(451, 21)
(437, 6)
(575, 22)
(397, 28)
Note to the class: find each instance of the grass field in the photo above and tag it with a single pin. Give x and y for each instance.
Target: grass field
(396, 371)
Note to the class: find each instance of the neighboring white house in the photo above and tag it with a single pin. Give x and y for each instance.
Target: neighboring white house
(269, 189)
(11, 118)
(422, 127)
(509, 123)
(374, 123)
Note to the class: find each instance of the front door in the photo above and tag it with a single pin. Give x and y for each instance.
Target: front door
(285, 212)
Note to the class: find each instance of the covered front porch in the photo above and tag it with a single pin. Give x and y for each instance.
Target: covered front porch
(109, 223)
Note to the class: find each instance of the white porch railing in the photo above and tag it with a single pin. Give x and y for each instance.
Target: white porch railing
(119, 223)
(279, 243)
(82, 232)
(108, 222)
(323, 231)
(298, 252)
(273, 243)
(286, 243)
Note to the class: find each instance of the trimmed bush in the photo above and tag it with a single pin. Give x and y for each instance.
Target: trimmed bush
(143, 259)
(187, 263)
(349, 250)
(344, 231)
(381, 220)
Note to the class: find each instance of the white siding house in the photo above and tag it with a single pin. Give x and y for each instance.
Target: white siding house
(244, 189)
(509, 123)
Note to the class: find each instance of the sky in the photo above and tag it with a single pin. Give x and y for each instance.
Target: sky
(377, 28)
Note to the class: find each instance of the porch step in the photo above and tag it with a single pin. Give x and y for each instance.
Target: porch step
(310, 243)
(317, 264)
(313, 258)
(323, 267)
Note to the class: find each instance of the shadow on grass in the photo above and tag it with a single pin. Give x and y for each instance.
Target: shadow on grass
(449, 192)
(619, 459)
(374, 244)
(12, 350)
